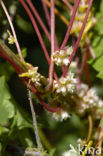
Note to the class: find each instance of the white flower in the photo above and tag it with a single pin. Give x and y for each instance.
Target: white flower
(63, 90)
(62, 52)
(100, 103)
(66, 61)
(60, 115)
(61, 58)
(66, 84)
(33, 75)
(88, 99)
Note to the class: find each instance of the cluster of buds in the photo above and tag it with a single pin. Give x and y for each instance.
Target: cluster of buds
(61, 115)
(66, 84)
(80, 15)
(33, 75)
(61, 58)
(11, 39)
(87, 99)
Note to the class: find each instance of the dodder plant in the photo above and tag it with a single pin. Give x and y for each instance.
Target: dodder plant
(67, 93)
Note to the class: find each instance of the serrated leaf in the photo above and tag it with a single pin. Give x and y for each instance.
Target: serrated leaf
(100, 75)
(98, 65)
(97, 45)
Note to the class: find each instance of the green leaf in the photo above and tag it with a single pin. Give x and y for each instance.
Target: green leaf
(100, 75)
(21, 121)
(101, 110)
(98, 64)
(26, 139)
(24, 52)
(3, 130)
(4, 93)
(101, 122)
(24, 25)
(52, 152)
(7, 109)
(97, 45)
(6, 68)
(101, 6)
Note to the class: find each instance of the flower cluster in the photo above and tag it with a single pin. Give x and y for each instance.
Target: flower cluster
(61, 58)
(33, 75)
(88, 99)
(80, 15)
(66, 84)
(61, 115)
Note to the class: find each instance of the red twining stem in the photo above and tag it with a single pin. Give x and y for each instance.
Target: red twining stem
(38, 18)
(36, 29)
(38, 32)
(79, 38)
(70, 25)
(19, 70)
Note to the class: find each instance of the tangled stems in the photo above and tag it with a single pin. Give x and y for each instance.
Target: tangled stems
(51, 63)
(46, 12)
(68, 5)
(20, 67)
(38, 18)
(63, 19)
(70, 25)
(37, 32)
(79, 38)
(36, 29)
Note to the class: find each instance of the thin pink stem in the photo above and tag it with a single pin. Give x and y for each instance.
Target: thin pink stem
(68, 5)
(51, 67)
(46, 106)
(91, 51)
(84, 59)
(36, 29)
(19, 67)
(70, 25)
(80, 36)
(77, 73)
(87, 72)
(25, 81)
(38, 32)
(48, 21)
(13, 30)
(47, 15)
(38, 18)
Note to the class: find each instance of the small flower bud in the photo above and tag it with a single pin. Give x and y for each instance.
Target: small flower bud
(61, 115)
(66, 84)
(61, 58)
